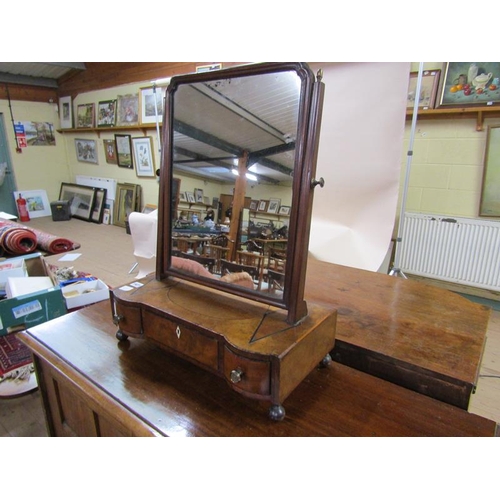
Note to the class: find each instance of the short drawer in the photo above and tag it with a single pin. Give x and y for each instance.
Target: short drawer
(182, 339)
(247, 375)
(128, 319)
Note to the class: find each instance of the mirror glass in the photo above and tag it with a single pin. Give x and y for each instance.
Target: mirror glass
(232, 156)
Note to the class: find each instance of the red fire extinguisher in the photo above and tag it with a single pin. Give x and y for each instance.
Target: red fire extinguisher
(22, 209)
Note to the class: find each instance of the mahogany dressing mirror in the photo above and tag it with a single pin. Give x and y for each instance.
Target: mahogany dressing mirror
(239, 150)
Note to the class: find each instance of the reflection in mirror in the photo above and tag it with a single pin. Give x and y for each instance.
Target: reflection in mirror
(234, 145)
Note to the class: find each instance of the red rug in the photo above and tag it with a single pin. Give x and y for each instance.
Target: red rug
(13, 354)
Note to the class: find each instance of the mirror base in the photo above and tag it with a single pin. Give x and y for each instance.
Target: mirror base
(248, 344)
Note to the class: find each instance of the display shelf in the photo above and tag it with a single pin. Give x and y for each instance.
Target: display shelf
(144, 128)
(479, 113)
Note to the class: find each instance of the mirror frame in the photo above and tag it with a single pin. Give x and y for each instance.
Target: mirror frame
(306, 149)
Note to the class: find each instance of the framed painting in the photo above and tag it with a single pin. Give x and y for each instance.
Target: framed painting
(143, 156)
(86, 150)
(37, 202)
(123, 144)
(428, 89)
(190, 197)
(274, 205)
(106, 113)
(254, 205)
(263, 205)
(284, 210)
(110, 151)
(198, 195)
(127, 110)
(151, 101)
(99, 204)
(81, 199)
(182, 196)
(125, 203)
(489, 205)
(65, 112)
(85, 117)
(470, 84)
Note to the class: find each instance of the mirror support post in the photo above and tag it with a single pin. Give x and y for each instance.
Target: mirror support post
(238, 204)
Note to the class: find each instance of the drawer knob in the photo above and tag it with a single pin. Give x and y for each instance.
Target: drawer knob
(117, 318)
(236, 375)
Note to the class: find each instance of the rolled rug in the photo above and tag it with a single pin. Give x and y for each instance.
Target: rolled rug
(54, 244)
(16, 239)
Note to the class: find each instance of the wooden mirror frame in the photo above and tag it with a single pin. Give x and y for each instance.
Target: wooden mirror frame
(309, 119)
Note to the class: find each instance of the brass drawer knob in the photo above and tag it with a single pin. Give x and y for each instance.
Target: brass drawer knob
(117, 318)
(236, 375)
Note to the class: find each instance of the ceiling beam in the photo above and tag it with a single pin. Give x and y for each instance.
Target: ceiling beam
(33, 81)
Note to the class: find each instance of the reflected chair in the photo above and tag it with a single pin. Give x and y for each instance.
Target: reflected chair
(252, 259)
(275, 281)
(206, 262)
(228, 267)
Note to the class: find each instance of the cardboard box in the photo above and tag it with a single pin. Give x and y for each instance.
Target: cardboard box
(85, 293)
(29, 310)
(11, 268)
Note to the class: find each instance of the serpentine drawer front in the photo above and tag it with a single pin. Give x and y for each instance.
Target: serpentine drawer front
(182, 339)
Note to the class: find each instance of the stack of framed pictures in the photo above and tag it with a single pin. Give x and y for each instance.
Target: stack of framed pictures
(86, 202)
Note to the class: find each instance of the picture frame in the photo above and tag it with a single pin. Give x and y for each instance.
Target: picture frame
(125, 203)
(489, 204)
(123, 145)
(284, 210)
(190, 197)
(274, 206)
(147, 97)
(144, 160)
(81, 199)
(99, 204)
(198, 195)
(127, 110)
(428, 90)
(110, 151)
(86, 150)
(206, 201)
(37, 202)
(263, 206)
(182, 196)
(467, 84)
(85, 115)
(215, 202)
(65, 112)
(106, 113)
(254, 205)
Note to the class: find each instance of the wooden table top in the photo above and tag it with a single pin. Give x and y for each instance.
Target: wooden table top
(176, 398)
(403, 320)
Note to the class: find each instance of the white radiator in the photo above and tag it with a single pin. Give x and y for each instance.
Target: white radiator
(460, 250)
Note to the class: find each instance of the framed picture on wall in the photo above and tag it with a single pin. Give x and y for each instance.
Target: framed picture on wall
(86, 150)
(428, 89)
(110, 151)
(468, 84)
(127, 110)
(151, 104)
(85, 117)
(65, 112)
(123, 145)
(198, 195)
(143, 156)
(106, 113)
(274, 205)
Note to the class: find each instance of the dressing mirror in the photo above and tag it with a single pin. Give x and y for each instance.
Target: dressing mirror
(242, 143)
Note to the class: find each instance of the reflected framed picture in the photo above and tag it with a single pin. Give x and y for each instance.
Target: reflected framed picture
(127, 110)
(37, 202)
(428, 89)
(284, 210)
(274, 205)
(263, 205)
(198, 195)
(81, 199)
(106, 113)
(182, 196)
(86, 150)
(110, 151)
(85, 116)
(254, 205)
(151, 101)
(190, 197)
(143, 156)
(123, 143)
(467, 84)
(65, 112)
